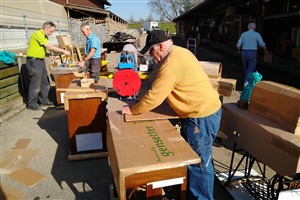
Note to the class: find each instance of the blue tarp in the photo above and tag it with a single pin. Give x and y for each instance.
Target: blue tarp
(7, 57)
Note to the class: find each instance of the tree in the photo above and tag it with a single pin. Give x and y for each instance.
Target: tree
(161, 18)
(141, 20)
(131, 20)
(171, 9)
(149, 18)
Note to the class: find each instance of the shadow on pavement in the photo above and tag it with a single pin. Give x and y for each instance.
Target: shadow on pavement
(88, 179)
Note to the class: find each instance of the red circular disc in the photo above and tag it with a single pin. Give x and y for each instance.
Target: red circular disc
(127, 82)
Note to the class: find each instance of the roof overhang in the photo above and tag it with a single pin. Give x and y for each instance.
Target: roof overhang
(213, 8)
(86, 9)
(106, 2)
(201, 9)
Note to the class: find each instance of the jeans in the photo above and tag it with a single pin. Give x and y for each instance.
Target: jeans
(249, 60)
(200, 134)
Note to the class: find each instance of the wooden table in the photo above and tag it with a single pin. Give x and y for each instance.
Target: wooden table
(86, 120)
(147, 153)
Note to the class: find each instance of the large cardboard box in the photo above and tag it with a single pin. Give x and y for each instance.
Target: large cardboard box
(267, 141)
(212, 69)
(224, 86)
(278, 103)
(145, 146)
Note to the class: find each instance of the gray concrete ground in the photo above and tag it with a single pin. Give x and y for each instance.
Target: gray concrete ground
(90, 179)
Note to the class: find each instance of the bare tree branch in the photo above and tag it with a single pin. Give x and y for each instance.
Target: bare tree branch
(170, 9)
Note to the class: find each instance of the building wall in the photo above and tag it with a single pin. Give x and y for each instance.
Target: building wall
(20, 19)
(228, 26)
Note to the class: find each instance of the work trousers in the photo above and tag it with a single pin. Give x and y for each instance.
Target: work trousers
(95, 66)
(200, 134)
(249, 60)
(39, 84)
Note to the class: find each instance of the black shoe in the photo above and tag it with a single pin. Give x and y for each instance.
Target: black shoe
(35, 108)
(47, 104)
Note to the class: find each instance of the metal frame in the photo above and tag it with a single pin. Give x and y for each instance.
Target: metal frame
(192, 42)
(273, 186)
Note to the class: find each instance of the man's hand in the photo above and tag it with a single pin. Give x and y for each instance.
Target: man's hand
(67, 53)
(81, 63)
(126, 110)
(52, 57)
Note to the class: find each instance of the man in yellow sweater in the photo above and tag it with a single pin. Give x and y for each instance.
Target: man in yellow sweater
(182, 81)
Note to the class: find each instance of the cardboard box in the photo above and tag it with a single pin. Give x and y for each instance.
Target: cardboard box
(146, 146)
(86, 82)
(74, 91)
(224, 86)
(278, 103)
(262, 138)
(268, 57)
(212, 69)
(15, 164)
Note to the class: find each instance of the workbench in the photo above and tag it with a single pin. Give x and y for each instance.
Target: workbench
(86, 119)
(150, 153)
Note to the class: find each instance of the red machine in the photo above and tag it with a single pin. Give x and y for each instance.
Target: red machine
(126, 81)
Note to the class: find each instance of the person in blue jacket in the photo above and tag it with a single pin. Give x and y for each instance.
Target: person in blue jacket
(248, 43)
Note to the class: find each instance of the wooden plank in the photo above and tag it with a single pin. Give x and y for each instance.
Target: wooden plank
(7, 72)
(164, 111)
(64, 41)
(80, 90)
(8, 99)
(9, 81)
(5, 92)
(3, 65)
(83, 95)
(78, 52)
(86, 156)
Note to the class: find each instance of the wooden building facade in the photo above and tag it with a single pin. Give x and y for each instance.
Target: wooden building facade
(224, 21)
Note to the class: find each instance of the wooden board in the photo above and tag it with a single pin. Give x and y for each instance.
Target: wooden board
(164, 111)
(86, 156)
(64, 41)
(78, 52)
